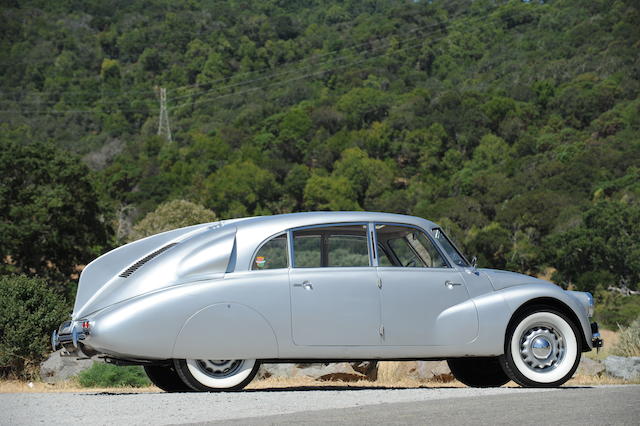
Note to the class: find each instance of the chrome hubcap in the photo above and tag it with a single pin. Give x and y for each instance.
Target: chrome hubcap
(542, 348)
(219, 368)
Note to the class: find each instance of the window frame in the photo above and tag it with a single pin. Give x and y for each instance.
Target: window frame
(262, 244)
(366, 228)
(428, 236)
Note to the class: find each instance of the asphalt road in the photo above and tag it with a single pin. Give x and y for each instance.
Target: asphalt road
(615, 405)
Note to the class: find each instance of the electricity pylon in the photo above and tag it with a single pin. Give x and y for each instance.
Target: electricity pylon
(163, 123)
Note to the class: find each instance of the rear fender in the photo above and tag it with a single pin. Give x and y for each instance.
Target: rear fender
(226, 331)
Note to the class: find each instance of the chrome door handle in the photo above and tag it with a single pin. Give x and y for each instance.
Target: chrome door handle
(450, 284)
(305, 284)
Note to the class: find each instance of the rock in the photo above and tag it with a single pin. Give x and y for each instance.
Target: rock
(368, 368)
(341, 377)
(627, 368)
(589, 367)
(363, 370)
(276, 370)
(59, 368)
(417, 370)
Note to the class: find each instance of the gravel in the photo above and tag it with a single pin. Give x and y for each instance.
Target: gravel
(164, 408)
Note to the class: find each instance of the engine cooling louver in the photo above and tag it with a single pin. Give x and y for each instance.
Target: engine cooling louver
(131, 269)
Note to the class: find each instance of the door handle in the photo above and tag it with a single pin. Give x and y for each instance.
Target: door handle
(450, 284)
(305, 284)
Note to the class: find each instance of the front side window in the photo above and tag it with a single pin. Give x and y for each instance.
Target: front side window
(455, 255)
(331, 246)
(272, 254)
(407, 247)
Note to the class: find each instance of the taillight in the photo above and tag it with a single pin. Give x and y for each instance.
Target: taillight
(86, 325)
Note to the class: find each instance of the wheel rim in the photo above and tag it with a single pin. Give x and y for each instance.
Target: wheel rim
(219, 368)
(542, 347)
(220, 373)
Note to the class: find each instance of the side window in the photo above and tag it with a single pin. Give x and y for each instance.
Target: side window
(307, 249)
(331, 246)
(272, 254)
(408, 247)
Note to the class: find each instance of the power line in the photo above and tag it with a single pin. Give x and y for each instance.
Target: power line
(306, 59)
(432, 40)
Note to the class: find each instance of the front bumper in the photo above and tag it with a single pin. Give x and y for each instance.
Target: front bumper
(596, 340)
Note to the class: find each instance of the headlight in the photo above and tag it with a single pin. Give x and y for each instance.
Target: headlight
(592, 304)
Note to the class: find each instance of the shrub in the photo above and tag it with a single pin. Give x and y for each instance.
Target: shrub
(102, 375)
(171, 215)
(29, 311)
(629, 340)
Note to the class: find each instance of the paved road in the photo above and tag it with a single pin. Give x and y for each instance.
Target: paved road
(619, 405)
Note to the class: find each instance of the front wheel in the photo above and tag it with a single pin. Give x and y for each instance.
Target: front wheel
(542, 348)
(215, 375)
(483, 372)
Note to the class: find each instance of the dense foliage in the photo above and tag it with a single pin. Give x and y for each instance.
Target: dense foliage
(515, 124)
(50, 219)
(29, 311)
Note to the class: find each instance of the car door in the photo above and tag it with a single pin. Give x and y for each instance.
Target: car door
(424, 299)
(335, 299)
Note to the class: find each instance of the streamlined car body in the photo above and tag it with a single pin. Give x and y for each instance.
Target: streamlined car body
(200, 307)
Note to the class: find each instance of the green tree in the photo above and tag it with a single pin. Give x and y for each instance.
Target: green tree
(171, 215)
(239, 189)
(51, 220)
(605, 242)
(330, 193)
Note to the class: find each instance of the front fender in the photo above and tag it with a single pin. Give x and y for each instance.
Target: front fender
(496, 309)
(516, 297)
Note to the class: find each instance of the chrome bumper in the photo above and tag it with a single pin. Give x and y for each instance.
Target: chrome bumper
(68, 337)
(596, 340)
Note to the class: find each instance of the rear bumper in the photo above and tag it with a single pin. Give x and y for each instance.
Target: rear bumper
(596, 340)
(69, 336)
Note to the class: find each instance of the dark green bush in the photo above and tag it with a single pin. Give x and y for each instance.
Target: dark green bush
(102, 375)
(29, 311)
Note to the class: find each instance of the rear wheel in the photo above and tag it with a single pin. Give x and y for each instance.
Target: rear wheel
(483, 372)
(213, 375)
(166, 378)
(542, 348)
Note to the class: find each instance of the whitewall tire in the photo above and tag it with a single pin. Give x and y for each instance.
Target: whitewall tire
(542, 348)
(210, 375)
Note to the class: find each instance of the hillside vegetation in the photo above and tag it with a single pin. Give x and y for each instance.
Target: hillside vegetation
(516, 125)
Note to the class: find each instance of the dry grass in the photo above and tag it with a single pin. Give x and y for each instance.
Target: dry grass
(17, 386)
(14, 386)
(610, 339)
(309, 383)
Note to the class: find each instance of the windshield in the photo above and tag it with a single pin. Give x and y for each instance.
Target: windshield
(455, 254)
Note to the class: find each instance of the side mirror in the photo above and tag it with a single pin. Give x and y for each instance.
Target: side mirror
(474, 262)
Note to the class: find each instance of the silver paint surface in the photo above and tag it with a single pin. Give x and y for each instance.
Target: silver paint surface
(200, 299)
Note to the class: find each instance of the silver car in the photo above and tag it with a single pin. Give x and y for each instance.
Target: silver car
(201, 307)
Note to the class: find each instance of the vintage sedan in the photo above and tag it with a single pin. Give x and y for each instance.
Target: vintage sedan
(201, 307)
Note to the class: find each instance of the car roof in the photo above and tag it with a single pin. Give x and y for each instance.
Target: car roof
(253, 231)
(295, 220)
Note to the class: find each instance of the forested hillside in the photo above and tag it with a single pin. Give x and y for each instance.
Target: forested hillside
(516, 125)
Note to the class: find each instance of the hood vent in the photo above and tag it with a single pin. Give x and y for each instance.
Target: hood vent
(131, 269)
